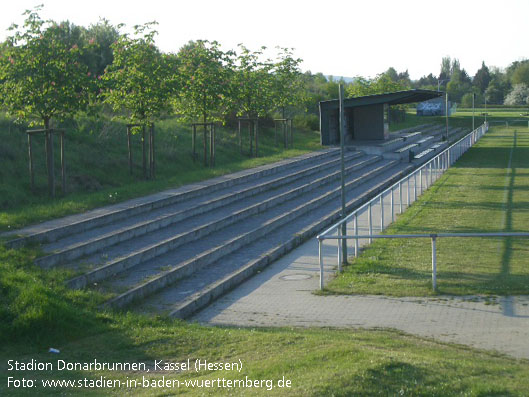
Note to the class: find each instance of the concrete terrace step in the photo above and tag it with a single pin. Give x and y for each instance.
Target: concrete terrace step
(100, 238)
(412, 129)
(425, 141)
(223, 243)
(52, 230)
(412, 136)
(156, 244)
(406, 148)
(195, 292)
(423, 153)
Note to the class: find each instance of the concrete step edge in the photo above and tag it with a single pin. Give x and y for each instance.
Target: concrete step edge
(93, 245)
(128, 208)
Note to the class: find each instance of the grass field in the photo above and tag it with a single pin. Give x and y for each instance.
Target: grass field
(97, 167)
(478, 194)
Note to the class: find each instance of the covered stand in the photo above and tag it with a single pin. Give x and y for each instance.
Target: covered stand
(366, 117)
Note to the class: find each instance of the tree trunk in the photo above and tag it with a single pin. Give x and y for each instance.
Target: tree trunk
(30, 155)
(256, 133)
(204, 118)
(49, 157)
(130, 149)
(144, 155)
(250, 135)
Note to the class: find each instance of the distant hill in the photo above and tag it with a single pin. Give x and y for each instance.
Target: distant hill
(337, 78)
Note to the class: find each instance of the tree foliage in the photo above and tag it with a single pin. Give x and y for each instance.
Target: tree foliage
(520, 75)
(140, 80)
(204, 71)
(482, 78)
(519, 95)
(42, 73)
(253, 83)
(381, 84)
(288, 86)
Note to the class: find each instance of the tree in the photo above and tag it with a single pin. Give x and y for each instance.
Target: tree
(498, 86)
(482, 78)
(204, 72)
(43, 78)
(429, 82)
(254, 87)
(511, 69)
(446, 68)
(466, 100)
(392, 74)
(98, 57)
(519, 95)
(521, 74)
(140, 81)
(288, 86)
(360, 87)
(381, 84)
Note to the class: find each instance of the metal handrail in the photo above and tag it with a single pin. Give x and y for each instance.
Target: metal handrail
(433, 236)
(436, 165)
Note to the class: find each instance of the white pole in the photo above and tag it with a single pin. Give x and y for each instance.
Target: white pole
(381, 211)
(355, 225)
(434, 263)
(339, 249)
(408, 195)
(391, 203)
(321, 263)
(369, 221)
(414, 186)
(400, 196)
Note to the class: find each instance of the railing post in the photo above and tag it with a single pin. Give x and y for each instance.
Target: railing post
(420, 182)
(369, 221)
(400, 196)
(408, 191)
(381, 211)
(339, 245)
(320, 253)
(414, 186)
(434, 262)
(431, 173)
(355, 225)
(391, 203)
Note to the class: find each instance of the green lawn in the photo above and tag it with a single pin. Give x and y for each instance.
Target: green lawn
(37, 312)
(478, 194)
(97, 167)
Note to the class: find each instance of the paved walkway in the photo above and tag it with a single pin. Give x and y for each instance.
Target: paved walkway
(282, 295)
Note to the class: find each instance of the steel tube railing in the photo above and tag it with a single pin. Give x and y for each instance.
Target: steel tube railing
(432, 236)
(429, 172)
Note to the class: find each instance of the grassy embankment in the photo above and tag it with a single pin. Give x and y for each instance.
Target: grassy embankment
(97, 165)
(478, 194)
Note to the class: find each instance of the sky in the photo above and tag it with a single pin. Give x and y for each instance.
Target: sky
(340, 38)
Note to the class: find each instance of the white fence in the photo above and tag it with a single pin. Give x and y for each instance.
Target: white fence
(412, 186)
